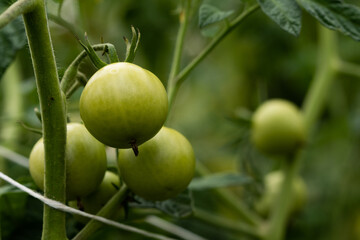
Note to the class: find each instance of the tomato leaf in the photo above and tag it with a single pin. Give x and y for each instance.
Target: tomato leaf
(178, 207)
(335, 15)
(12, 38)
(218, 180)
(209, 14)
(286, 13)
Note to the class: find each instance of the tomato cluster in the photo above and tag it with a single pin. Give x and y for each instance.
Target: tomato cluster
(122, 106)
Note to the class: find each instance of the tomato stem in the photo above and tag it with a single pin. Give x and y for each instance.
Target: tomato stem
(181, 77)
(107, 211)
(232, 200)
(53, 113)
(71, 73)
(15, 10)
(226, 223)
(312, 107)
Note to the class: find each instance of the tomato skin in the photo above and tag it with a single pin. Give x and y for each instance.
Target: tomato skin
(123, 104)
(278, 127)
(85, 162)
(164, 167)
(273, 182)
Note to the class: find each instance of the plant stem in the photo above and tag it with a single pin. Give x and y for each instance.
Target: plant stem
(325, 73)
(226, 223)
(184, 22)
(280, 213)
(52, 104)
(70, 74)
(313, 106)
(60, 21)
(348, 68)
(15, 10)
(180, 78)
(12, 109)
(231, 199)
(107, 211)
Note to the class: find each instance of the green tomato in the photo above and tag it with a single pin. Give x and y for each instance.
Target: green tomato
(273, 182)
(164, 167)
(85, 162)
(123, 105)
(97, 199)
(278, 127)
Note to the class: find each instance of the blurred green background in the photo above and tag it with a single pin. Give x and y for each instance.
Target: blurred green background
(255, 62)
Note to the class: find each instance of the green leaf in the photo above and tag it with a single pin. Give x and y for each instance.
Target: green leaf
(335, 15)
(177, 207)
(12, 38)
(218, 180)
(209, 14)
(286, 13)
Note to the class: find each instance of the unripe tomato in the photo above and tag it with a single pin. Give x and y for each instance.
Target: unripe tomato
(164, 167)
(93, 202)
(273, 182)
(278, 127)
(85, 162)
(123, 105)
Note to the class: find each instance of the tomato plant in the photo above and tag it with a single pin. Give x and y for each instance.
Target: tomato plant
(246, 82)
(123, 105)
(164, 167)
(85, 162)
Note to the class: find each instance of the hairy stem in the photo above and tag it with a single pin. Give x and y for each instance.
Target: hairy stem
(180, 78)
(15, 10)
(53, 112)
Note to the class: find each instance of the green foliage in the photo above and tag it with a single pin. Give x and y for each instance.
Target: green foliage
(178, 207)
(286, 13)
(12, 39)
(336, 15)
(209, 14)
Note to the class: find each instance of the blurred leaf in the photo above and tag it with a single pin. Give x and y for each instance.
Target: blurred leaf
(286, 13)
(209, 14)
(12, 38)
(218, 180)
(177, 207)
(336, 15)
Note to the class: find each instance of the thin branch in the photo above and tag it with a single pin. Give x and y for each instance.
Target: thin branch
(225, 223)
(180, 78)
(16, 9)
(347, 68)
(62, 22)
